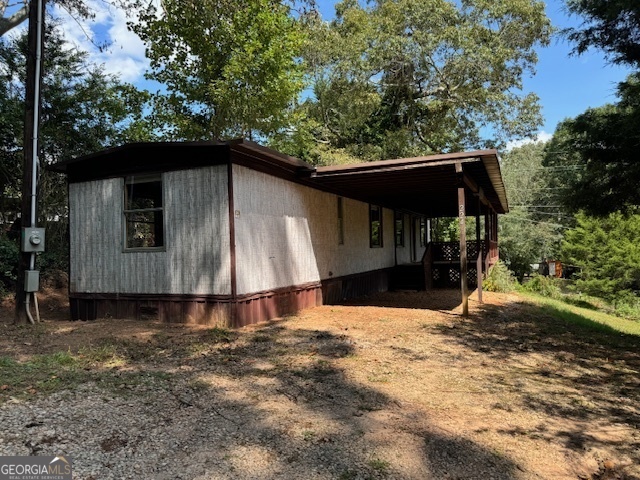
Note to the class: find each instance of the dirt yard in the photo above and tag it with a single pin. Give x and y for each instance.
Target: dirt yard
(395, 386)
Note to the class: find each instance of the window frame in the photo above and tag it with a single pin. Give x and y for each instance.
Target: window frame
(422, 226)
(398, 217)
(138, 179)
(380, 243)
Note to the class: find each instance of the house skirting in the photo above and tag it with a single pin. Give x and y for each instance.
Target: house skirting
(224, 310)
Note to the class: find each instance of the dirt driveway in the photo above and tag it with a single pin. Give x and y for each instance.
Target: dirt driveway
(399, 387)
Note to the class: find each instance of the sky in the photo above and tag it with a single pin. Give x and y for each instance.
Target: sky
(567, 85)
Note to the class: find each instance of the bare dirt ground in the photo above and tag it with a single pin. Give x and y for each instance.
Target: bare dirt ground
(397, 385)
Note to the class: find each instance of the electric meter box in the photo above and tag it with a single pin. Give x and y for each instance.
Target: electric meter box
(31, 280)
(33, 240)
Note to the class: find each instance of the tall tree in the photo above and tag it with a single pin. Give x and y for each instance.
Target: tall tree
(608, 251)
(533, 228)
(83, 110)
(230, 67)
(596, 155)
(612, 26)
(403, 77)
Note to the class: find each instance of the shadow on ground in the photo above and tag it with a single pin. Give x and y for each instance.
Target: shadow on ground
(440, 299)
(579, 371)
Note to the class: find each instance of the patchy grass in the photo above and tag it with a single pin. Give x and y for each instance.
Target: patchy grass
(585, 314)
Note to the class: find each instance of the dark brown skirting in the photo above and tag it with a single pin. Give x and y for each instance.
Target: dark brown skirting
(335, 290)
(224, 310)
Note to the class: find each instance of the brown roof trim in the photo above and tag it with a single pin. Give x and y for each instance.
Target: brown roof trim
(64, 165)
(438, 159)
(247, 146)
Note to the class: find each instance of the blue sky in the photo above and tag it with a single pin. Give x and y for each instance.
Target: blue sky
(567, 85)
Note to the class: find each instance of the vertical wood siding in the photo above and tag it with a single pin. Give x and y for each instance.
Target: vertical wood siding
(287, 234)
(196, 258)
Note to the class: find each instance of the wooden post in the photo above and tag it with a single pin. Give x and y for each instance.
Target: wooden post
(479, 249)
(32, 110)
(462, 212)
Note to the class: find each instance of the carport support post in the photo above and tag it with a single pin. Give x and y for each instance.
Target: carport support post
(462, 212)
(479, 250)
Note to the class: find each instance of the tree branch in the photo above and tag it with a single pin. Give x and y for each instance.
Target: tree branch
(14, 20)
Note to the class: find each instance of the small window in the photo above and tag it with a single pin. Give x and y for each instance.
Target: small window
(375, 226)
(399, 229)
(143, 212)
(423, 232)
(340, 221)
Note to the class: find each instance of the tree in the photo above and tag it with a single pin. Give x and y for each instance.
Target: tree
(83, 110)
(407, 77)
(230, 68)
(608, 252)
(532, 230)
(595, 155)
(12, 15)
(612, 26)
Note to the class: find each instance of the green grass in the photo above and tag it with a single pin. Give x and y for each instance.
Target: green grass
(586, 317)
(63, 370)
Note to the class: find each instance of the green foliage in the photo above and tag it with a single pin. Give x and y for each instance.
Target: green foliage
(595, 155)
(83, 110)
(543, 285)
(499, 279)
(612, 26)
(608, 252)
(9, 252)
(407, 77)
(532, 229)
(230, 68)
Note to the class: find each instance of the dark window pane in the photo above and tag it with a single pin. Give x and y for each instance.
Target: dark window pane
(144, 229)
(375, 225)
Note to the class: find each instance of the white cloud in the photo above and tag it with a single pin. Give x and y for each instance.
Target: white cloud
(125, 55)
(541, 137)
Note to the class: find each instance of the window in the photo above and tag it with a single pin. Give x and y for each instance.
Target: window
(143, 212)
(340, 221)
(399, 229)
(375, 226)
(423, 232)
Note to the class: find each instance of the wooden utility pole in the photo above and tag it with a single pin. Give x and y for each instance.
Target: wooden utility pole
(31, 121)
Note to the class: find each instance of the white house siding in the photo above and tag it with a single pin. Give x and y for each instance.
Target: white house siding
(196, 259)
(287, 234)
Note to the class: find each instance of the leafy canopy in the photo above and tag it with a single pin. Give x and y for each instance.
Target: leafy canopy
(596, 155)
(532, 230)
(610, 25)
(230, 67)
(405, 77)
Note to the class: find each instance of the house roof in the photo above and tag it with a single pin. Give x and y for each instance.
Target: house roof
(426, 185)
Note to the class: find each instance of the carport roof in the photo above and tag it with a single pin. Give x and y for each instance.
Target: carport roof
(427, 185)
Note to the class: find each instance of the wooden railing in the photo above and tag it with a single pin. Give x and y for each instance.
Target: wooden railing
(450, 251)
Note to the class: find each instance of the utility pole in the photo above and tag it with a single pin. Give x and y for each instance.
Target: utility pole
(26, 266)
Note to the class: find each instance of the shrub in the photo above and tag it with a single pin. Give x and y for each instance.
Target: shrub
(543, 285)
(499, 279)
(9, 255)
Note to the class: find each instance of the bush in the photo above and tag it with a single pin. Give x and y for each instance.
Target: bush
(543, 285)
(499, 279)
(9, 255)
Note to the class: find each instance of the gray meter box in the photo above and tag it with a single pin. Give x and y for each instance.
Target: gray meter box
(33, 239)
(31, 280)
